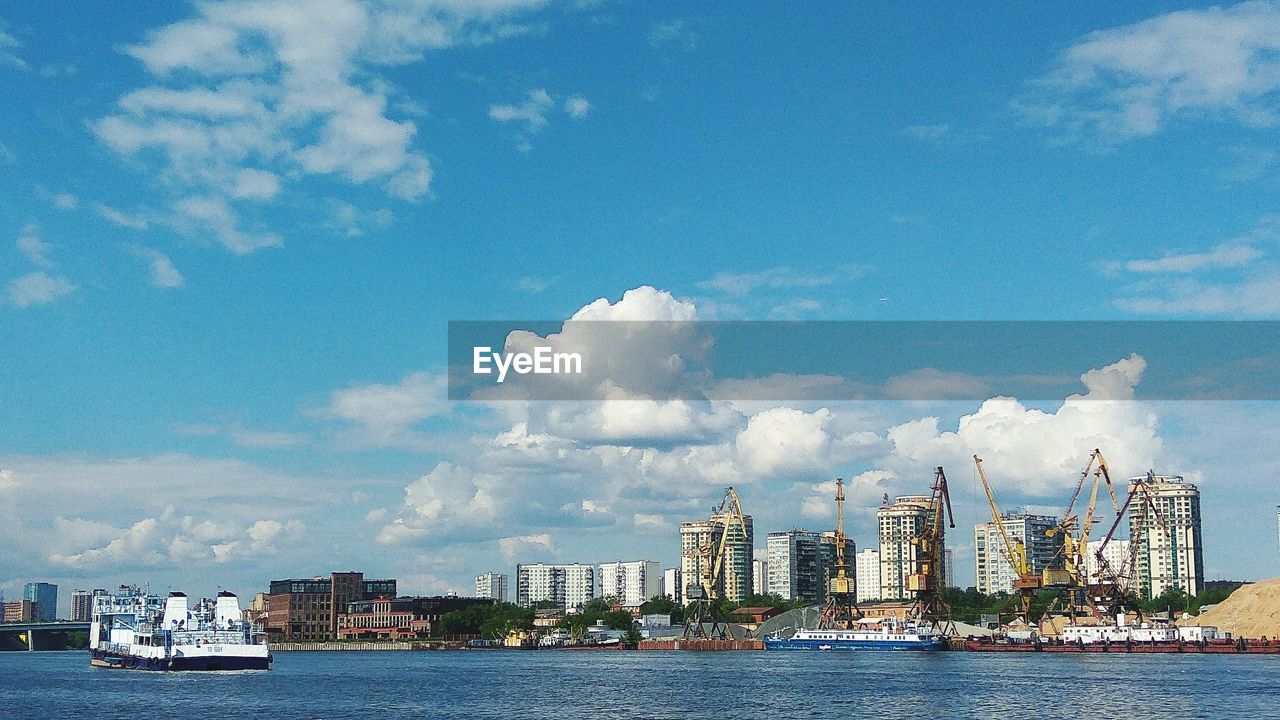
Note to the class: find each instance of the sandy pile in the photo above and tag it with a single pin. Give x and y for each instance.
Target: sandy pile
(1253, 611)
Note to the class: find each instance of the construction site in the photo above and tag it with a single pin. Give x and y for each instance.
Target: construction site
(1076, 585)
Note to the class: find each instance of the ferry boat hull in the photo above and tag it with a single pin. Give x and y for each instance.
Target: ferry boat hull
(206, 663)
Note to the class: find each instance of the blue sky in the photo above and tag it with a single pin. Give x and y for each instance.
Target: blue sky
(233, 234)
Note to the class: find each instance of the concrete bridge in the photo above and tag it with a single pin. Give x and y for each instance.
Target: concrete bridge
(38, 635)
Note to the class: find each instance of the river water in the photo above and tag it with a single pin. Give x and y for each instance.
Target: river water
(559, 684)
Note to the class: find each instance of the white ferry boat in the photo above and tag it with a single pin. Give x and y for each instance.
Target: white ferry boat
(872, 634)
(135, 630)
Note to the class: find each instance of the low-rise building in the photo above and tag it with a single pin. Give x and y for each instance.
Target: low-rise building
(308, 610)
(20, 611)
(399, 618)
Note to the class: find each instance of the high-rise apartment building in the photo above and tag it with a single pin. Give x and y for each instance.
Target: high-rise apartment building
(900, 521)
(1172, 559)
(995, 573)
(567, 586)
(492, 585)
(736, 574)
(795, 568)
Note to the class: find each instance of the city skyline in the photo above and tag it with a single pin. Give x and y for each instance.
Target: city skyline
(227, 269)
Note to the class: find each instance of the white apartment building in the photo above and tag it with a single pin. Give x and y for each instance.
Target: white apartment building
(568, 586)
(866, 570)
(632, 583)
(1172, 559)
(492, 585)
(995, 574)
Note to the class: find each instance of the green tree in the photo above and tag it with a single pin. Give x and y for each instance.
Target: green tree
(663, 605)
(488, 621)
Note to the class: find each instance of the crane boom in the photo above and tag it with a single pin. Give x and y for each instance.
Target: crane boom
(1015, 553)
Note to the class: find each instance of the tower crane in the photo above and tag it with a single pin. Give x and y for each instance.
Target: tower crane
(927, 553)
(710, 557)
(1026, 582)
(841, 609)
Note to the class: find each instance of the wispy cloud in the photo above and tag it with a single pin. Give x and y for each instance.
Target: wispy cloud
(743, 283)
(927, 132)
(135, 221)
(162, 272)
(38, 288)
(532, 112)
(1130, 81)
(247, 100)
(1228, 255)
(8, 58)
(676, 32)
(577, 107)
(1238, 277)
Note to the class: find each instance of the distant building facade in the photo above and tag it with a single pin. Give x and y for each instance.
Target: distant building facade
(400, 618)
(795, 568)
(866, 568)
(760, 574)
(45, 596)
(308, 610)
(82, 604)
(898, 522)
(995, 574)
(630, 583)
(671, 585)
(492, 585)
(1173, 559)
(19, 611)
(568, 586)
(1116, 555)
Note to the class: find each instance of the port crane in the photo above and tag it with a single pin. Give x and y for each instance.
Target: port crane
(841, 610)
(1116, 592)
(709, 557)
(927, 550)
(1074, 572)
(1027, 582)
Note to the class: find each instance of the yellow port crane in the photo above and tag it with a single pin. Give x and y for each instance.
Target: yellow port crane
(1026, 582)
(927, 552)
(710, 557)
(841, 610)
(1074, 572)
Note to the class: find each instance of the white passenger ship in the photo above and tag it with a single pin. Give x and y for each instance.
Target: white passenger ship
(872, 634)
(139, 631)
